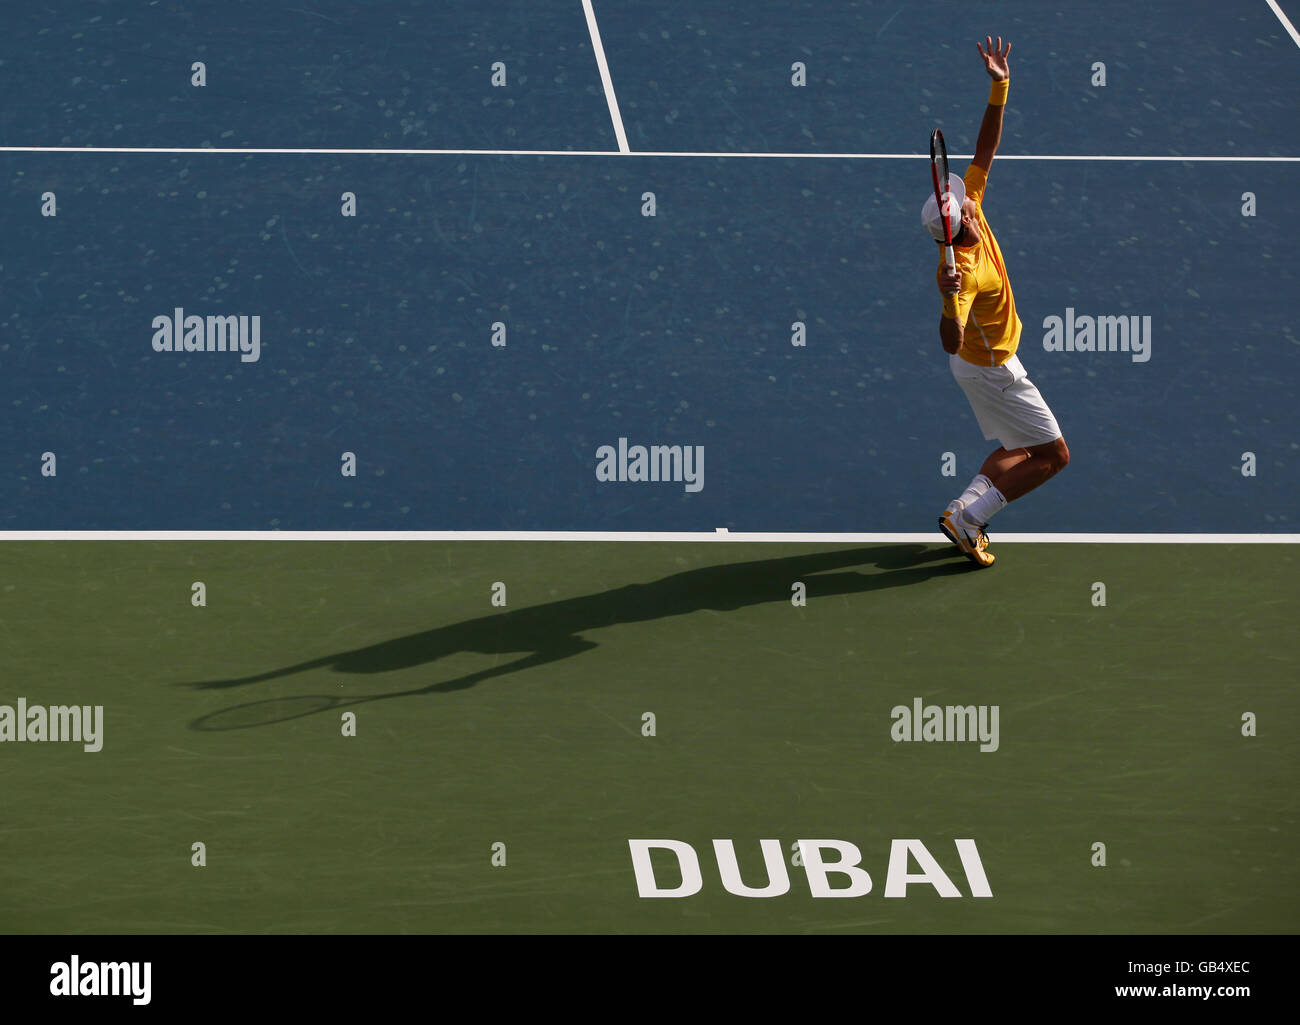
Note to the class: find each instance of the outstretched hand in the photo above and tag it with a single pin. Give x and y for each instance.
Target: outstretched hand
(995, 59)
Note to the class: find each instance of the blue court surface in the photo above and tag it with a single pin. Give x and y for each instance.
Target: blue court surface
(774, 204)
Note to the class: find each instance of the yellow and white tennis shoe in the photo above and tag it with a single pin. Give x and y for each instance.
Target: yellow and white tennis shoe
(967, 536)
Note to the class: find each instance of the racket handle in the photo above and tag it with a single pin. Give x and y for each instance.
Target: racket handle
(948, 257)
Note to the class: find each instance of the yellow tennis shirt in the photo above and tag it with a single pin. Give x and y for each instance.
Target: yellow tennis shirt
(985, 305)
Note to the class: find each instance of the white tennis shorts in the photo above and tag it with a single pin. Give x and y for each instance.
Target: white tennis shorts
(1006, 403)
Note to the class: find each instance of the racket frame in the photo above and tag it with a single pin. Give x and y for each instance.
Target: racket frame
(939, 156)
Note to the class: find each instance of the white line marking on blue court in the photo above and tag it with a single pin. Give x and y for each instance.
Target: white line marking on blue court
(717, 535)
(606, 81)
(1286, 22)
(1136, 158)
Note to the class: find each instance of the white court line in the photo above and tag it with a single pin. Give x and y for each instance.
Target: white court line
(1286, 22)
(649, 535)
(276, 151)
(608, 83)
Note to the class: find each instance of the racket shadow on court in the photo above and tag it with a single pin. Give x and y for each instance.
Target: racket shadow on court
(542, 634)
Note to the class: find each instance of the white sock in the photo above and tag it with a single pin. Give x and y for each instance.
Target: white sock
(982, 509)
(978, 485)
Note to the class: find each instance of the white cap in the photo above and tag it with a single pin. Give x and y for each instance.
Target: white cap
(953, 201)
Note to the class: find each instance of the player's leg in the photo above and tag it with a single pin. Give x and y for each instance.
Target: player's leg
(972, 541)
(1033, 450)
(1045, 462)
(1000, 461)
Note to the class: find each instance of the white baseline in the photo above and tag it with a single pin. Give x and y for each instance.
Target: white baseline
(278, 151)
(720, 534)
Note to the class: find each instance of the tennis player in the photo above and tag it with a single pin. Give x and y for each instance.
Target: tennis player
(980, 331)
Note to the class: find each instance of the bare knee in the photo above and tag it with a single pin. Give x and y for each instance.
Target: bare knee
(1061, 455)
(1055, 452)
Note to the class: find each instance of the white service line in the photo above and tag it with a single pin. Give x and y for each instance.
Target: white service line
(1286, 22)
(610, 98)
(649, 535)
(277, 151)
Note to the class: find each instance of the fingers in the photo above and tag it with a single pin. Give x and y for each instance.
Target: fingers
(993, 50)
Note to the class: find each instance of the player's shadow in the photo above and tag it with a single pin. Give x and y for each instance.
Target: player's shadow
(554, 630)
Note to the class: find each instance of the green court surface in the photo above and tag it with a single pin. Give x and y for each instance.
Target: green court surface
(523, 725)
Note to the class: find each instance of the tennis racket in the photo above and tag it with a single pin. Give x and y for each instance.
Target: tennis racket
(273, 710)
(939, 174)
(282, 709)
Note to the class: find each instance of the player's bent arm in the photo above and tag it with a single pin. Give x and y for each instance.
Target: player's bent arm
(951, 334)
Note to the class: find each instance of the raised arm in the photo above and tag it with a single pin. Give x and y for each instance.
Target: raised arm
(995, 62)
